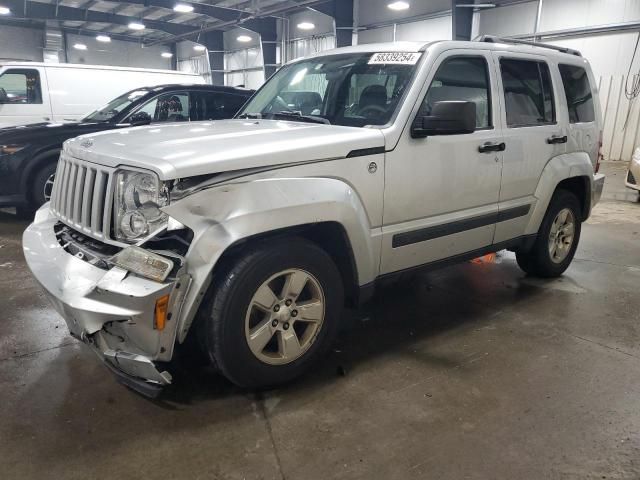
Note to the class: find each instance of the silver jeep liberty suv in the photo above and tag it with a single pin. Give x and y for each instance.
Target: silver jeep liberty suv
(249, 235)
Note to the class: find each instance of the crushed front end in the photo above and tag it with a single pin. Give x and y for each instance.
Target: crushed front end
(120, 293)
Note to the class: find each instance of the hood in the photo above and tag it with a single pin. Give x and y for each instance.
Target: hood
(183, 150)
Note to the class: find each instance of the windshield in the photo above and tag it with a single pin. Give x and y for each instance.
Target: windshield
(114, 107)
(349, 89)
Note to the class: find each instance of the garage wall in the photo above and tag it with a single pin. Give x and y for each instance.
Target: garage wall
(116, 53)
(19, 43)
(243, 62)
(609, 54)
(422, 30)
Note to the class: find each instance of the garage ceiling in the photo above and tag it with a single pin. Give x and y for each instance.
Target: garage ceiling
(161, 21)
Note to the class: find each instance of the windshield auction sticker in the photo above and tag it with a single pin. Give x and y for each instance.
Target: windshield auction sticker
(395, 58)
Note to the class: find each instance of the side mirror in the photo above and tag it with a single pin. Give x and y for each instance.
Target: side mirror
(447, 118)
(3, 96)
(139, 119)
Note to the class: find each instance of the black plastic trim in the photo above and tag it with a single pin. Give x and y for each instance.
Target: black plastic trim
(149, 390)
(362, 152)
(429, 233)
(524, 242)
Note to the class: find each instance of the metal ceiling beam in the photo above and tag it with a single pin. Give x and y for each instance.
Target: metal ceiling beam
(44, 11)
(217, 13)
(245, 21)
(342, 13)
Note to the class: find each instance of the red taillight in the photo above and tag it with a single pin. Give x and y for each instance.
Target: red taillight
(600, 156)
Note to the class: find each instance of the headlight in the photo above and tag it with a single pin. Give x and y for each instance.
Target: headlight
(138, 199)
(10, 149)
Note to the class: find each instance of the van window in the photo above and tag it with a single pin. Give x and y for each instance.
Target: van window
(20, 86)
(528, 93)
(463, 79)
(578, 93)
(169, 107)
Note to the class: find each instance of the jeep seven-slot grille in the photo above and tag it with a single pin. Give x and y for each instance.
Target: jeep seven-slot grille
(80, 196)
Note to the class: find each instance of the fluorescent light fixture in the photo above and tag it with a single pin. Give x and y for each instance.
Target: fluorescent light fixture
(136, 26)
(183, 8)
(398, 6)
(306, 26)
(199, 48)
(80, 46)
(103, 38)
(4, 11)
(244, 38)
(166, 54)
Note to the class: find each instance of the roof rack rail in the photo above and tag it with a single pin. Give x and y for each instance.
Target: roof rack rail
(495, 39)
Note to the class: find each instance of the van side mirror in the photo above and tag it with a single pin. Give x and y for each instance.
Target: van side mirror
(3, 96)
(447, 118)
(140, 118)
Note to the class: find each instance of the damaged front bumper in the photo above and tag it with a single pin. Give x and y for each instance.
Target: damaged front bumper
(110, 310)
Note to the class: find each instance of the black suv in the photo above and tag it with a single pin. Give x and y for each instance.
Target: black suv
(29, 153)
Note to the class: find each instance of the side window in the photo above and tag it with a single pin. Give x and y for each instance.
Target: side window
(20, 86)
(169, 107)
(528, 93)
(215, 105)
(462, 79)
(578, 92)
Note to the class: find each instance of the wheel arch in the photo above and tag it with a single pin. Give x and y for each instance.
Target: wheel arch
(572, 172)
(43, 157)
(226, 218)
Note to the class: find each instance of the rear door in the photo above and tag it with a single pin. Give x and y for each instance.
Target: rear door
(215, 105)
(26, 99)
(533, 133)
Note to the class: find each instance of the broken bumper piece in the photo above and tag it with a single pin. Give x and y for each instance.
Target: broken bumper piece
(109, 310)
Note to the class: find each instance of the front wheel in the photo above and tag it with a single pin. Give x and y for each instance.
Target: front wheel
(272, 313)
(42, 185)
(557, 239)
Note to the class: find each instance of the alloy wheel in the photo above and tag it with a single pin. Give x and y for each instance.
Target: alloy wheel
(561, 235)
(284, 317)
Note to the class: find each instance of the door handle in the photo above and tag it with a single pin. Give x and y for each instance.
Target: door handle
(557, 139)
(492, 147)
(46, 118)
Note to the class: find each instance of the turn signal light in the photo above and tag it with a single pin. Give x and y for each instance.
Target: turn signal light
(162, 306)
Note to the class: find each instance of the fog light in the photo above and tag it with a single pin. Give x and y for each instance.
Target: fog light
(160, 318)
(143, 263)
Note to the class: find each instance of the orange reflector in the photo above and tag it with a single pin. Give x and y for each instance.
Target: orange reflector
(162, 305)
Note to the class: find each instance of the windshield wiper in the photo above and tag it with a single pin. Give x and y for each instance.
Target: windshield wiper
(289, 115)
(251, 115)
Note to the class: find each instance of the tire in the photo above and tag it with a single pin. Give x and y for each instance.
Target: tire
(41, 181)
(540, 260)
(232, 316)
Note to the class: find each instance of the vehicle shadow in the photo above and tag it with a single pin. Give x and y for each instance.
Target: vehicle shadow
(401, 316)
(11, 223)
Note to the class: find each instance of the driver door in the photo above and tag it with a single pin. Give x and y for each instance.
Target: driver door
(441, 192)
(27, 99)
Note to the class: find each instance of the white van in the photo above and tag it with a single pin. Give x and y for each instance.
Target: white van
(45, 92)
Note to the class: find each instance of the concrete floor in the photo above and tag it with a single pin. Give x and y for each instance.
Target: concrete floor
(471, 372)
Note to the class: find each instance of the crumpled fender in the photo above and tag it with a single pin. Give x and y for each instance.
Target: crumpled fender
(222, 215)
(577, 164)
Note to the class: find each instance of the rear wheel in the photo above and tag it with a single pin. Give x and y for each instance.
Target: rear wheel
(272, 313)
(557, 239)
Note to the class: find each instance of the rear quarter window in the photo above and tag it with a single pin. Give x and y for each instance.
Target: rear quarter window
(578, 92)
